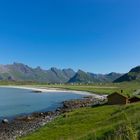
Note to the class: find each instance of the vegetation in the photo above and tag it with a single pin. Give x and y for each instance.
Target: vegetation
(99, 88)
(22, 83)
(105, 88)
(100, 123)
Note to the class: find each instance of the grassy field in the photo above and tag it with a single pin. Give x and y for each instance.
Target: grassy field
(106, 88)
(100, 123)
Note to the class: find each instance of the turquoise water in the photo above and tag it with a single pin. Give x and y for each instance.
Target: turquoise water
(15, 102)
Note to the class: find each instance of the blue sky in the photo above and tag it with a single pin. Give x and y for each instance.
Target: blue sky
(99, 36)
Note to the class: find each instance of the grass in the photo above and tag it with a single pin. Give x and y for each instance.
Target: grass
(99, 88)
(100, 123)
(107, 88)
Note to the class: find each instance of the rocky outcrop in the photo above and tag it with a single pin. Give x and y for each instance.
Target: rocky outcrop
(5, 121)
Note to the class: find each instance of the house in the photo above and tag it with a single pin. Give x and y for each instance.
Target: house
(134, 99)
(117, 99)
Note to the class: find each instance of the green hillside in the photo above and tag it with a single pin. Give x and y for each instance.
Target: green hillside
(98, 123)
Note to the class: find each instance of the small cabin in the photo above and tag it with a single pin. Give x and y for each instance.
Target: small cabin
(134, 99)
(117, 99)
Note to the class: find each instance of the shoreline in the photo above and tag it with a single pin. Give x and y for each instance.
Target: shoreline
(27, 124)
(45, 90)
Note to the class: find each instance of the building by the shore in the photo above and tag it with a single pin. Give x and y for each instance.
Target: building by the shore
(134, 99)
(120, 99)
(117, 99)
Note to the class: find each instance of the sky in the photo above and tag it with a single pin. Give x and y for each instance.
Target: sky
(99, 36)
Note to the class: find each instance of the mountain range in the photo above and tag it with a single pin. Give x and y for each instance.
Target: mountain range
(132, 75)
(22, 72)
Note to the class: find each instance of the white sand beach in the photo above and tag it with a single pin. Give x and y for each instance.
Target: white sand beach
(45, 90)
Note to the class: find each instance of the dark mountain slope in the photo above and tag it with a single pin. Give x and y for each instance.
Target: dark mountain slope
(84, 77)
(132, 75)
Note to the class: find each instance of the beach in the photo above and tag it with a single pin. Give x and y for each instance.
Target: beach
(45, 90)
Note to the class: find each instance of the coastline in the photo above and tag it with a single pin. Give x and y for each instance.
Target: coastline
(24, 125)
(45, 90)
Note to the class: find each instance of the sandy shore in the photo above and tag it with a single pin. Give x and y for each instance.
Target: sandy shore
(45, 90)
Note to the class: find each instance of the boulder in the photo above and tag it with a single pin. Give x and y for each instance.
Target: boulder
(5, 121)
(37, 91)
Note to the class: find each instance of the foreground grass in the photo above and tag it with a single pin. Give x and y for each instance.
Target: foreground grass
(100, 123)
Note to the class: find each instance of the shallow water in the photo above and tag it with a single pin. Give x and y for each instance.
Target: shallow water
(15, 102)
